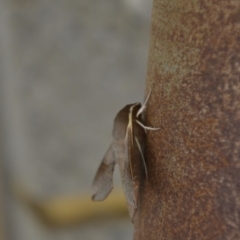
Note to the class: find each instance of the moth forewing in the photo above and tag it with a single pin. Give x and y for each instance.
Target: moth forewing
(127, 149)
(142, 155)
(137, 152)
(103, 181)
(130, 162)
(128, 174)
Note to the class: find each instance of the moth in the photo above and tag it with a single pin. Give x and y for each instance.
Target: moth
(126, 150)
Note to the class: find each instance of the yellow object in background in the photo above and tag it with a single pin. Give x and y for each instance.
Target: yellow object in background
(69, 210)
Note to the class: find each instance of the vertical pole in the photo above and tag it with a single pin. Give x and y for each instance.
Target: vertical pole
(193, 191)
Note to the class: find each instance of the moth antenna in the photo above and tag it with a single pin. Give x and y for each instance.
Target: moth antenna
(143, 159)
(146, 127)
(143, 107)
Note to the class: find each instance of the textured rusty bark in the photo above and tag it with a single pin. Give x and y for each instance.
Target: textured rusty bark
(193, 162)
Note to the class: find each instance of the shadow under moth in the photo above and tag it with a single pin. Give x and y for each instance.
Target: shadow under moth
(126, 150)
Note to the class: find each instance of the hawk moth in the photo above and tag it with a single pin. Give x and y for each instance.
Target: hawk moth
(126, 150)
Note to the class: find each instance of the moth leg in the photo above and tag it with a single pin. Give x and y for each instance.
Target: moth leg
(143, 107)
(146, 127)
(143, 159)
(103, 181)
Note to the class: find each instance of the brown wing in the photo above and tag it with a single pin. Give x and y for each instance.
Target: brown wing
(123, 156)
(128, 175)
(103, 181)
(129, 152)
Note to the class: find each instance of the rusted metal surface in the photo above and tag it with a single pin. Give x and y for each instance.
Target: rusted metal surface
(193, 162)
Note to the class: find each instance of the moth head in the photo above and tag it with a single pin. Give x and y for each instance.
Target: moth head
(121, 121)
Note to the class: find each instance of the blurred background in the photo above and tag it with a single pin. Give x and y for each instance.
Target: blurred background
(66, 69)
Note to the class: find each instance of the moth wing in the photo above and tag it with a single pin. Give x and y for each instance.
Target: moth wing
(128, 187)
(133, 167)
(103, 181)
(128, 181)
(122, 156)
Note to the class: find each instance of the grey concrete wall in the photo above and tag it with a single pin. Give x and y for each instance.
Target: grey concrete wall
(67, 67)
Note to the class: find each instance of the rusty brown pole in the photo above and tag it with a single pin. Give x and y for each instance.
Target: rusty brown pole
(193, 191)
